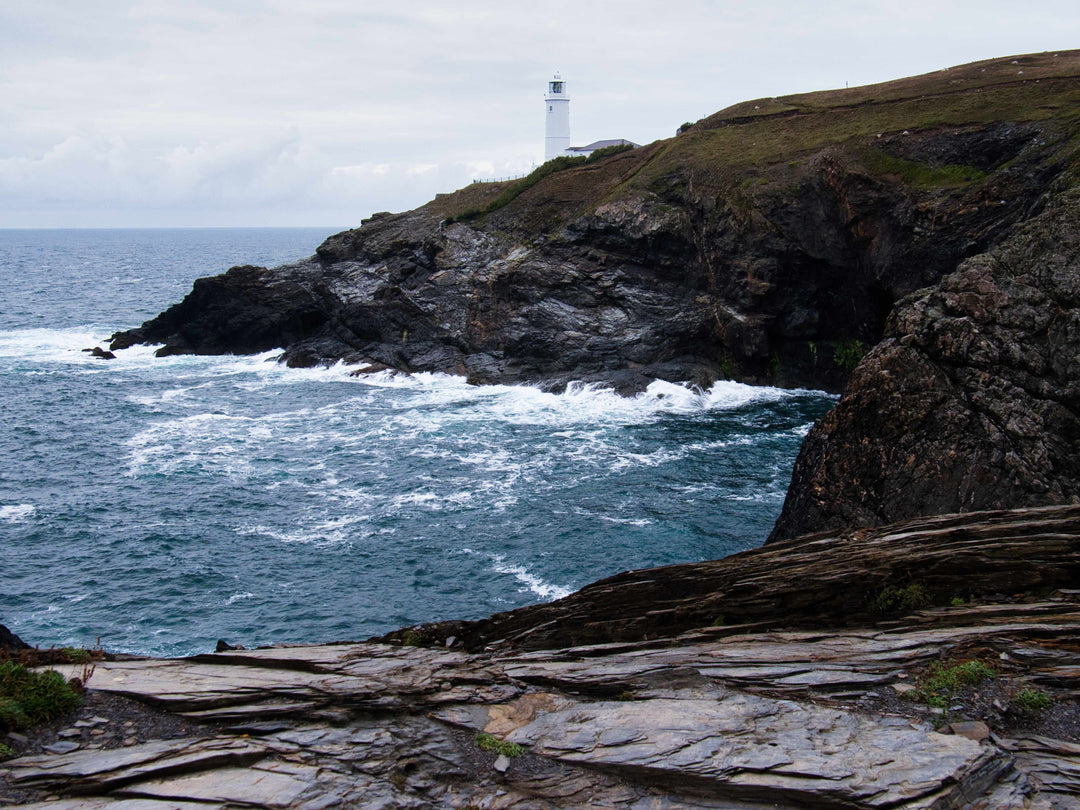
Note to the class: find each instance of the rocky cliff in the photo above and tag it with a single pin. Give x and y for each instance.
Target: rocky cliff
(767, 243)
(972, 400)
(770, 243)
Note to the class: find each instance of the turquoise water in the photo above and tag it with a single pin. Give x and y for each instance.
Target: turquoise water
(161, 504)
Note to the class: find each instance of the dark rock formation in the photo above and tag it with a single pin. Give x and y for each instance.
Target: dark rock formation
(971, 402)
(10, 641)
(825, 580)
(100, 353)
(767, 243)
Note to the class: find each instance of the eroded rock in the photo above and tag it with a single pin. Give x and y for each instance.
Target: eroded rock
(971, 402)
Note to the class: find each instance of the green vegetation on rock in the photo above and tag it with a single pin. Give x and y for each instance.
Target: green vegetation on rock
(922, 175)
(552, 166)
(28, 697)
(489, 742)
(944, 679)
(892, 598)
(847, 354)
(1031, 701)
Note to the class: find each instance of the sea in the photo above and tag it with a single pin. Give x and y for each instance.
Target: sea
(156, 505)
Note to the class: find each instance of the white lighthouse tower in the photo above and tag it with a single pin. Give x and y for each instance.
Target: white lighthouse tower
(557, 128)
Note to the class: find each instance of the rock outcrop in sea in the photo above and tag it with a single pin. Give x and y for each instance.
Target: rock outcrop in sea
(767, 243)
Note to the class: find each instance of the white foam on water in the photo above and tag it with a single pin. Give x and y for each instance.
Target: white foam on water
(668, 455)
(762, 496)
(17, 512)
(579, 403)
(530, 581)
(332, 532)
(49, 345)
(236, 597)
(626, 521)
(428, 499)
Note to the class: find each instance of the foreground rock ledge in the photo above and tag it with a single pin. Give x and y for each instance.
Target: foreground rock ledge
(730, 717)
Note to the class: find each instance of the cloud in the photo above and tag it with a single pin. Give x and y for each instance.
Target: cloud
(247, 111)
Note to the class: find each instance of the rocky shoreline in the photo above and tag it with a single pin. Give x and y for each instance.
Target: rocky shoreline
(892, 646)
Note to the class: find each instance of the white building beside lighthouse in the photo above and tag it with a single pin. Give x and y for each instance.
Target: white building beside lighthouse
(557, 126)
(557, 123)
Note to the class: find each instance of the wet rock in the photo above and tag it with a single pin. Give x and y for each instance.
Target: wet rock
(100, 353)
(62, 747)
(972, 729)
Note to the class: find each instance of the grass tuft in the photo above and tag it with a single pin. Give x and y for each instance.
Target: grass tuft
(1031, 701)
(923, 175)
(944, 679)
(892, 598)
(28, 697)
(489, 742)
(558, 164)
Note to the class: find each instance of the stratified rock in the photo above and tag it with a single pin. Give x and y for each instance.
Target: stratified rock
(822, 580)
(767, 244)
(971, 402)
(739, 718)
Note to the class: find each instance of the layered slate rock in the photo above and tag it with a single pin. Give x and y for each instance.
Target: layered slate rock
(714, 717)
(766, 244)
(972, 400)
(825, 580)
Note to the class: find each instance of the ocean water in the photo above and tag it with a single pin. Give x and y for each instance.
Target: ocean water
(161, 504)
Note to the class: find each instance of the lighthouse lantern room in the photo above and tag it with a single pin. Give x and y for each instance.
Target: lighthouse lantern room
(557, 128)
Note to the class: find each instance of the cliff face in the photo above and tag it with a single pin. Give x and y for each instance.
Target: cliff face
(972, 401)
(768, 244)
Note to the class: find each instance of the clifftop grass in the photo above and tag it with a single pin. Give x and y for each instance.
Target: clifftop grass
(717, 153)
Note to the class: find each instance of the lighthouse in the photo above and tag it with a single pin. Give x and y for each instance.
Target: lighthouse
(557, 127)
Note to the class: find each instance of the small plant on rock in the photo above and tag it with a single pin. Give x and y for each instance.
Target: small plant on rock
(489, 742)
(892, 598)
(944, 679)
(1031, 701)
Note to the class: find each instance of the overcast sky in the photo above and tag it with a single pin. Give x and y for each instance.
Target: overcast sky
(124, 113)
